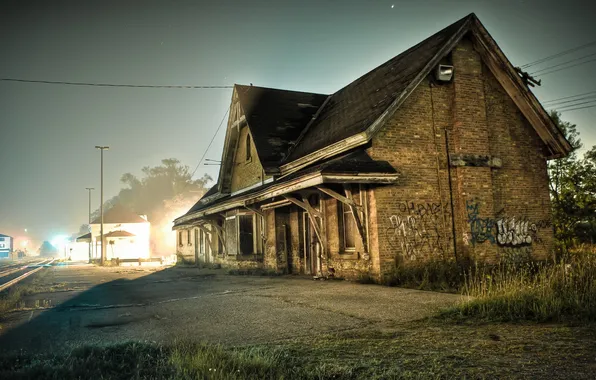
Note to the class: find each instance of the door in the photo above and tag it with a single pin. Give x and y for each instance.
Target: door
(312, 246)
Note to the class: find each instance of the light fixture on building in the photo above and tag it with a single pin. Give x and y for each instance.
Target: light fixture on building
(444, 73)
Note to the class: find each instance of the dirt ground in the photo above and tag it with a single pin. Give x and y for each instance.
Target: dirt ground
(82, 304)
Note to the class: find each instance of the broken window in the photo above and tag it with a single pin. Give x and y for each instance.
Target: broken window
(246, 232)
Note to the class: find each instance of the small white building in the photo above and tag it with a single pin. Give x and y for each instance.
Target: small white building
(6, 243)
(126, 235)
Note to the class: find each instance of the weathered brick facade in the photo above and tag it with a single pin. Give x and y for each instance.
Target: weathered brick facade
(455, 170)
(492, 206)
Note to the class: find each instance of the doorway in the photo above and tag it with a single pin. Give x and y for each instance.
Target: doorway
(312, 245)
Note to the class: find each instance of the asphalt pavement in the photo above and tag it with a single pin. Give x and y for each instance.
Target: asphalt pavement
(93, 305)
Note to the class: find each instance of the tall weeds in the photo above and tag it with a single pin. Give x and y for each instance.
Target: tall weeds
(565, 290)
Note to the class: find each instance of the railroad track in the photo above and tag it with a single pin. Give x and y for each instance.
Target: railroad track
(7, 279)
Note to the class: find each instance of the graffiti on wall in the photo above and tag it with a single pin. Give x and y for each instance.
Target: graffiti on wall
(506, 231)
(420, 228)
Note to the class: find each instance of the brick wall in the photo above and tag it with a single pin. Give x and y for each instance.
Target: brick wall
(499, 213)
(246, 173)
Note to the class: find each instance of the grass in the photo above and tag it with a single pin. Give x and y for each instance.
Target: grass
(541, 292)
(435, 275)
(12, 298)
(421, 350)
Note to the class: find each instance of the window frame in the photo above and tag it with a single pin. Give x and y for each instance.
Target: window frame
(180, 240)
(258, 229)
(248, 146)
(342, 211)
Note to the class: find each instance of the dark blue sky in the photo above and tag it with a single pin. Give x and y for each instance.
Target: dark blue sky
(49, 132)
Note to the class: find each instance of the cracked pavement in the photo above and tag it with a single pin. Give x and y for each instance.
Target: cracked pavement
(110, 305)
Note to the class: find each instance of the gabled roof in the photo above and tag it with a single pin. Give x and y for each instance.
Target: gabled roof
(276, 118)
(353, 114)
(353, 108)
(119, 214)
(119, 234)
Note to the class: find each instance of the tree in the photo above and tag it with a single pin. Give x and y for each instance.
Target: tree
(573, 190)
(162, 193)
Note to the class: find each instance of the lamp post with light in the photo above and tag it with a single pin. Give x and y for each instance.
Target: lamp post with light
(103, 250)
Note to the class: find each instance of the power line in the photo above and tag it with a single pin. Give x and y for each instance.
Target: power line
(569, 97)
(558, 55)
(210, 143)
(577, 104)
(578, 108)
(109, 84)
(571, 101)
(565, 68)
(564, 63)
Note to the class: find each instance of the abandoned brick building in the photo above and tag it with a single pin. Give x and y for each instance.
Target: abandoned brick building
(439, 153)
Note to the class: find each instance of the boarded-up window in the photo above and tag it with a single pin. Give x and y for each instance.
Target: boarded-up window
(246, 232)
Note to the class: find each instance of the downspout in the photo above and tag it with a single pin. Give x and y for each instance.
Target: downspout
(451, 192)
(432, 106)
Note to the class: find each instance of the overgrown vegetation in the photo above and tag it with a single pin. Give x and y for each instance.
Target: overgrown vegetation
(12, 298)
(542, 292)
(437, 275)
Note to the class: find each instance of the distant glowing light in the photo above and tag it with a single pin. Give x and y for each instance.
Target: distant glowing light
(59, 241)
(25, 230)
(392, 6)
(24, 243)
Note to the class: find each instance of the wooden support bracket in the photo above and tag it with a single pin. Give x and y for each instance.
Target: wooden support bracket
(339, 197)
(312, 215)
(208, 237)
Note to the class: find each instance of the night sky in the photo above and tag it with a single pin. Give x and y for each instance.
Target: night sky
(48, 132)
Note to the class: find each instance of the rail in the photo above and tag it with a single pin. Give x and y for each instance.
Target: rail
(39, 265)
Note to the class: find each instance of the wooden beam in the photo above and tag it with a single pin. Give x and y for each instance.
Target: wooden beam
(208, 237)
(338, 196)
(357, 219)
(219, 231)
(304, 205)
(255, 210)
(312, 214)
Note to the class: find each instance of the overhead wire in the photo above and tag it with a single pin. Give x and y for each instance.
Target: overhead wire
(578, 108)
(561, 64)
(112, 84)
(210, 143)
(577, 104)
(568, 97)
(560, 54)
(571, 101)
(565, 68)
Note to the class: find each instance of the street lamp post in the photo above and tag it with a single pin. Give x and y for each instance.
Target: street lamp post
(103, 246)
(91, 239)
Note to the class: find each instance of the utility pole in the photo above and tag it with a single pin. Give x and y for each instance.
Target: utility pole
(103, 246)
(91, 239)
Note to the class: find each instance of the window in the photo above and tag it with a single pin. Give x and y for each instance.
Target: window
(246, 232)
(348, 231)
(188, 238)
(248, 155)
(180, 238)
(201, 241)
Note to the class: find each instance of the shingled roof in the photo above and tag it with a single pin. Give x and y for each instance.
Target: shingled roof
(276, 118)
(353, 108)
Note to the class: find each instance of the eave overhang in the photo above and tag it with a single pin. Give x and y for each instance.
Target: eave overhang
(300, 183)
